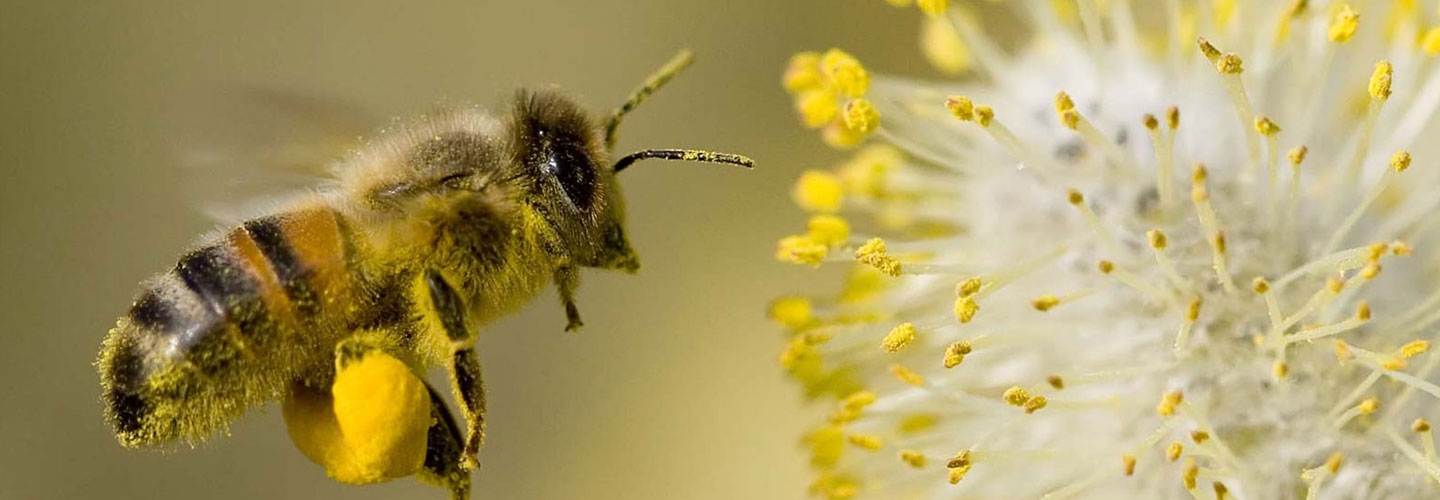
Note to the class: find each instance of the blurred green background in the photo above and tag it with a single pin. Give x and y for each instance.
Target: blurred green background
(672, 389)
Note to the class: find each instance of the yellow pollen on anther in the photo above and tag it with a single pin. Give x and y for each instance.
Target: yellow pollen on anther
(1400, 161)
(1280, 369)
(1221, 491)
(1168, 403)
(1172, 117)
(1045, 302)
(1015, 396)
(1129, 462)
(1343, 24)
(867, 441)
(968, 287)
(1335, 285)
(1074, 197)
(1414, 348)
(861, 117)
(800, 250)
(983, 115)
(1260, 286)
(1209, 50)
(1297, 155)
(793, 312)
(1199, 436)
(1400, 248)
(803, 72)
(817, 106)
(933, 8)
(1105, 267)
(1189, 473)
(1430, 42)
(818, 191)
(965, 309)
(907, 375)
(1370, 271)
(872, 253)
(899, 337)
(1342, 351)
(959, 461)
(1362, 312)
(913, 458)
(961, 107)
(1420, 425)
(1034, 404)
(845, 73)
(1172, 453)
(942, 46)
(1380, 81)
(1376, 250)
(955, 353)
(1332, 463)
(857, 401)
(1193, 312)
(828, 230)
(1230, 64)
(1151, 122)
(1369, 405)
(1266, 127)
(1055, 382)
(1157, 239)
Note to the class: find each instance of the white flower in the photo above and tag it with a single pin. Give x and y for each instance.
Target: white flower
(1121, 262)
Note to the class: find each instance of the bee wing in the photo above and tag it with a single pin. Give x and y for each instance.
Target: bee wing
(246, 150)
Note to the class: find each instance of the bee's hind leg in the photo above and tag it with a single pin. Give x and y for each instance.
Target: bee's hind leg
(443, 451)
(464, 364)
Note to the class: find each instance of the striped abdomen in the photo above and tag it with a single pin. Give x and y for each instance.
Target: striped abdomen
(227, 328)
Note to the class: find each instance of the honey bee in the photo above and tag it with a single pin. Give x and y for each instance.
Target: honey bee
(429, 232)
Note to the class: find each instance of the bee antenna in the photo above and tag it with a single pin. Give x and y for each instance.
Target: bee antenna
(684, 155)
(652, 83)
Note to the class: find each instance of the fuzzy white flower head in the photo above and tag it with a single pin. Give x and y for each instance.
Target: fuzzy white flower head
(1121, 262)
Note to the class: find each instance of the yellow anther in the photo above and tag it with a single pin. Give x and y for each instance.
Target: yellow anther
(1334, 285)
(1342, 351)
(1414, 348)
(800, 250)
(1220, 242)
(793, 312)
(1370, 271)
(1221, 491)
(1129, 462)
(1208, 49)
(1395, 364)
(918, 422)
(1055, 382)
(872, 253)
(838, 135)
(1074, 197)
(1189, 473)
(1430, 42)
(1280, 369)
(828, 230)
(858, 400)
(867, 441)
(1105, 267)
(1343, 24)
(1260, 286)
(803, 72)
(961, 107)
(933, 8)
(1333, 462)
(913, 458)
(957, 474)
(1400, 248)
(899, 337)
(1045, 302)
(1168, 403)
(965, 309)
(907, 375)
(968, 287)
(1369, 405)
(1376, 250)
(959, 461)
(1063, 102)
(1199, 436)
(1362, 312)
(1380, 81)
(861, 117)
(983, 115)
(1172, 117)
(1151, 122)
(1297, 155)
(1034, 404)
(817, 106)
(1199, 175)
(1070, 119)
(1230, 64)
(1193, 312)
(818, 191)
(1400, 161)
(827, 445)
(1172, 453)
(955, 354)
(1266, 127)
(942, 46)
(1016, 396)
(1157, 239)
(845, 73)
(1420, 425)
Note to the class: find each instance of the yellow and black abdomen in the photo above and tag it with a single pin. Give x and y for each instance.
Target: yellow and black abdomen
(229, 327)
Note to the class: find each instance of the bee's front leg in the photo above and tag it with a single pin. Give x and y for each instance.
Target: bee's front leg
(464, 363)
(567, 279)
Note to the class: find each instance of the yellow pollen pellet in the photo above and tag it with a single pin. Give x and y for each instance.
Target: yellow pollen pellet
(1172, 453)
(1034, 404)
(1297, 155)
(1207, 48)
(1199, 436)
(1342, 351)
(817, 106)
(861, 117)
(1280, 369)
(1168, 403)
(1016, 396)
(968, 287)
(1266, 127)
(1129, 463)
(1400, 161)
(899, 337)
(803, 72)
(828, 230)
(1151, 122)
(1369, 405)
(913, 458)
(1074, 197)
(961, 107)
(800, 250)
(965, 309)
(1172, 117)
(1189, 473)
(818, 191)
(983, 115)
(933, 8)
(1333, 462)
(1105, 267)
(1430, 42)
(845, 73)
(1045, 302)
(1380, 81)
(1230, 64)
(1193, 312)
(1260, 286)
(907, 375)
(1362, 311)
(1055, 382)
(1414, 348)
(959, 461)
(793, 312)
(1420, 425)
(1343, 25)
(867, 441)
(1157, 239)
(955, 354)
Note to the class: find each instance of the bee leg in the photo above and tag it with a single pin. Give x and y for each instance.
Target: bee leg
(567, 279)
(464, 364)
(443, 451)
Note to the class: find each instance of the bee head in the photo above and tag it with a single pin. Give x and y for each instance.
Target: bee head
(574, 186)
